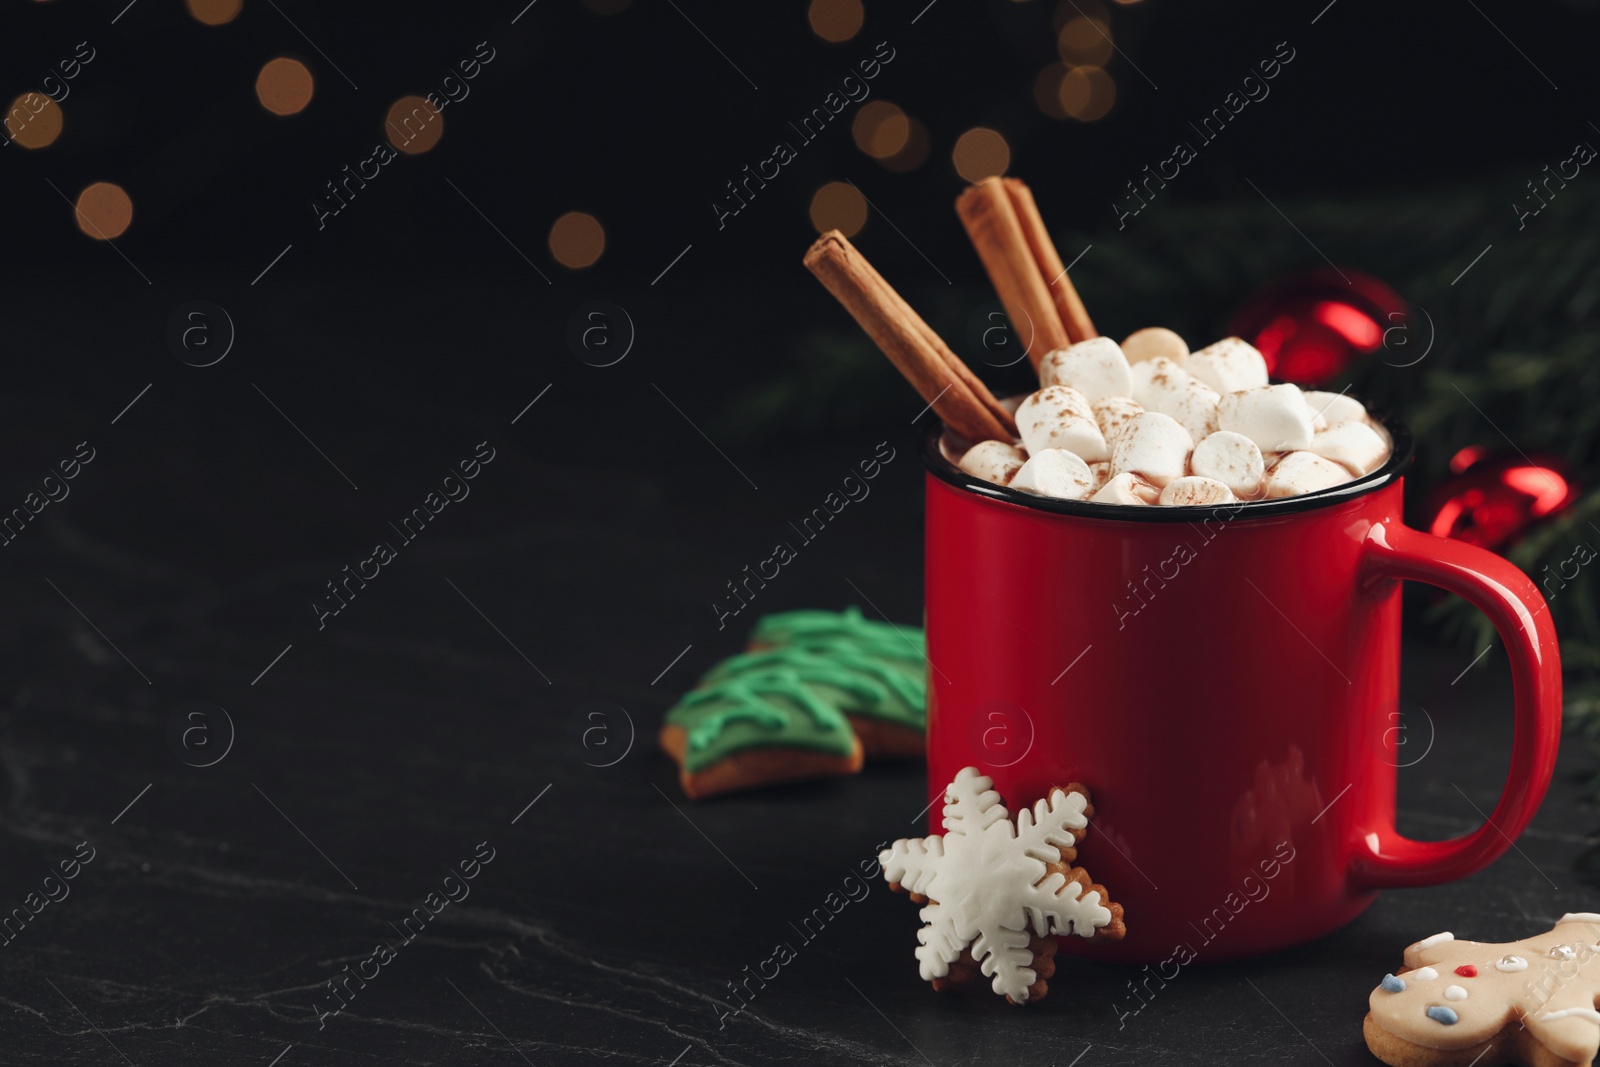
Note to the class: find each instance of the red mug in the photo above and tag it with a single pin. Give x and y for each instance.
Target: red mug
(1225, 681)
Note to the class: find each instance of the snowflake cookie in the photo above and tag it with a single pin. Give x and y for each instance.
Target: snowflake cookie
(1522, 1002)
(995, 892)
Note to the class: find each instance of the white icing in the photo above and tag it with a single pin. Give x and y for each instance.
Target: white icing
(986, 882)
(1579, 917)
(1423, 974)
(1454, 992)
(1563, 952)
(1511, 964)
(1436, 939)
(1574, 1013)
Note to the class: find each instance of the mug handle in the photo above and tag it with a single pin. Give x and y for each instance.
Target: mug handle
(1501, 591)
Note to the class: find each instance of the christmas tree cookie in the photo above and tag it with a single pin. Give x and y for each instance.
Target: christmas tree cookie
(885, 701)
(894, 729)
(763, 729)
(800, 627)
(818, 692)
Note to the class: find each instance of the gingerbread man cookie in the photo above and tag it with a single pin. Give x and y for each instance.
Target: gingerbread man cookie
(1528, 1002)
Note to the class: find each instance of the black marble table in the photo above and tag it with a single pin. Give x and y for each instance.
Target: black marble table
(491, 696)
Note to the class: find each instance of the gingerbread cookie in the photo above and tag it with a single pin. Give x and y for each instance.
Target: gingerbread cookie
(993, 888)
(965, 971)
(818, 693)
(799, 627)
(893, 731)
(884, 702)
(1528, 1002)
(743, 732)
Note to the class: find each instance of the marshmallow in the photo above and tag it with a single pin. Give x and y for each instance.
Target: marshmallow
(1228, 366)
(1149, 421)
(1230, 458)
(993, 461)
(1153, 341)
(1058, 416)
(1352, 444)
(1275, 417)
(1304, 472)
(1336, 408)
(1193, 492)
(1154, 446)
(1192, 403)
(1126, 488)
(1055, 472)
(1096, 368)
(1161, 385)
(1154, 377)
(1112, 414)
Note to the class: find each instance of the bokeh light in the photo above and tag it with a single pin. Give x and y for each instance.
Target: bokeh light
(577, 240)
(1087, 93)
(1047, 90)
(413, 125)
(838, 206)
(214, 12)
(981, 153)
(881, 129)
(835, 20)
(33, 120)
(104, 211)
(607, 7)
(914, 153)
(1085, 40)
(284, 86)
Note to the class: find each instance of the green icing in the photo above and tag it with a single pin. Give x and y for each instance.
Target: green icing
(907, 651)
(858, 684)
(820, 666)
(796, 627)
(760, 709)
(749, 708)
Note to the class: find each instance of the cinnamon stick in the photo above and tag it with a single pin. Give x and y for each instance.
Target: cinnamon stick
(991, 221)
(954, 362)
(902, 336)
(1074, 316)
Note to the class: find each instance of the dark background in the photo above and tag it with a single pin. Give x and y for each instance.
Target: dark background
(379, 351)
(636, 118)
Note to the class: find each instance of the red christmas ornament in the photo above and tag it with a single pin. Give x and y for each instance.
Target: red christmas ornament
(1491, 502)
(1313, 327)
